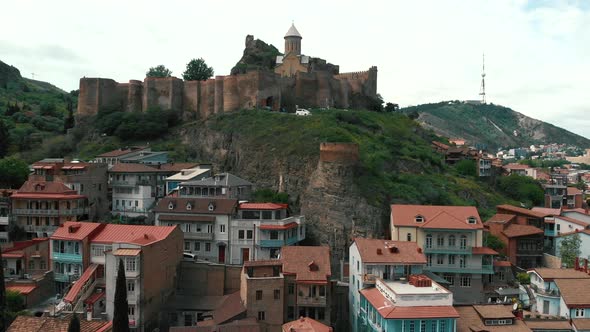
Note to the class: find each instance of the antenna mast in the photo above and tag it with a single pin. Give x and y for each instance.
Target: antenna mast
(482, 90)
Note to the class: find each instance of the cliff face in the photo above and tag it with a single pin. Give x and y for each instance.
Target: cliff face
(8, 74)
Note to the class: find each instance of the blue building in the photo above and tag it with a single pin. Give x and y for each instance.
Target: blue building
(545, 286)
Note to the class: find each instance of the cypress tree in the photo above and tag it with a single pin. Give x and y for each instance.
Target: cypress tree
(74, 324)
(4, 139)
(120, 315)
(3, 307)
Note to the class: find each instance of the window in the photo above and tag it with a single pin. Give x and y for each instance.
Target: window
(442, 325)
(501, 275)
(471, 220)
(466, 281)
(440, 259)
(187, 246)
(422, 326)
(130, 287)
(428, 241)
(130, 264)
(258, 295)
(409, 236)
(412, 328)
(274, 235)
(451, 240)
(450, 278)
(266, 214)
(261, 315)
(428, 260)
(277, 294)
(321, 313)
(249, 234)
(322, 290)
(188, 319)
(462, 261)
(419, 218)
(433, 326)
(31, 265)
(222, 228)
(131, 310)
(451, 259)
(241, 234)
(207, 246)
(42, 264)
(291, 288)
(290, 312)
(197, 246)
(579, 312)
(209, 229)
(463, 242)
(440, 241)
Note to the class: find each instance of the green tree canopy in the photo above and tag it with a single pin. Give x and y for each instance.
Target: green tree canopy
(158, 71)
(4, 139)
(522, 188)
(466, 167)
(197, 70)
(13, 172)
(493, 242)
(570, 249)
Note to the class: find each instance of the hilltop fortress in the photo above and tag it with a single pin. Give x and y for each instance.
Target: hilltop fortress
(294, 79)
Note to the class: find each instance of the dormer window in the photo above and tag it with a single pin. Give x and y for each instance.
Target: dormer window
(211, 206)
(189, 206)
(419, 218)
(170, 206)
(471, 220)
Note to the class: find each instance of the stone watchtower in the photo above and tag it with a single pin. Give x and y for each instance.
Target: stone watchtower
(293, 41)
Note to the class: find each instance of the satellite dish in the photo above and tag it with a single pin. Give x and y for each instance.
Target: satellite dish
(515, 306)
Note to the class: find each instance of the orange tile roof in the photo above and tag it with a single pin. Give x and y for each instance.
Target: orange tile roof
(494, 311)
(95, 297)
(51, 324)
(71, 296)
(502, 263)
(547, 211)
(578, 231)
(198, 205)
(261, 206)
(14, 254)
(44, 189)
(516, 166)
(436, 216)
(518, 210)
(515, 230)
(134, 234)
(302, 261)
(483, 251)
(573, 191)
(76, 230)
(389, 311)
(573, 221)
(574, 294)
(407, 252)
(23, 289)
(549, 274)
(471, 321)
(305, 324)
(127, 252)
(17, 246)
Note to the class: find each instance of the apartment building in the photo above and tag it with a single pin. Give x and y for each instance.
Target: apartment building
(114, 157)
(151, 255)
(26, 258)
(262, 290)
(5, 213)
(190, 174)
(40, 207)
(546, 295)
(222, 185)
(372, 259)
(260, 230)
(452, 239)
(205, 224)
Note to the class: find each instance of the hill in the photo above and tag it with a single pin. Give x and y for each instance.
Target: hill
(32, 110)
(491, 125)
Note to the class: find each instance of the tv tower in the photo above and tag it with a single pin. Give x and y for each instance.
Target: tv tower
(482, 90)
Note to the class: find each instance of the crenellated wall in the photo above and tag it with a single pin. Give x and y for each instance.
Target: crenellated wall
(254, 89)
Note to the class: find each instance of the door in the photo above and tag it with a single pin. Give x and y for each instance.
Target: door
(18, 266)
(245, 254)
(221, 254)
(545, 307)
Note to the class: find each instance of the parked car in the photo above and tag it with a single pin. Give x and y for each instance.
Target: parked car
(187, 256)
(302, 112)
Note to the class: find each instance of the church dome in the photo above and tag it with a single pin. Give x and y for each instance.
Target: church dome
(293, 32)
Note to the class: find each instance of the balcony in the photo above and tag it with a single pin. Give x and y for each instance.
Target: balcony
(291, 240)
(447, 250)
(66, 257)
(199, 236)
(130, 183)
(65, 277)
(42, 229)
(311, 300)
(550, 232)
(546, 292)
(369, 279)
(272, 243)
(483, 269)
(49, 212)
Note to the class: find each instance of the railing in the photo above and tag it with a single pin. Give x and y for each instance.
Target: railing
(369, 279)
(66, 257)
(45, 229)
(131, 183)
(543, 291)
(3, 220)
(448, 249)
(272, 243)
(550, 232)
(199, 236)
(50, 212)
(311, 300)
(65, 277)
(484, 269)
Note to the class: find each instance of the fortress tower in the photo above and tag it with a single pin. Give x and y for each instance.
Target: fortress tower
(293, 41)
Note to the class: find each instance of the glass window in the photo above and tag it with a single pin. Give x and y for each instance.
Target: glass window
(266, 214)
(451, 259)
(440, 241)
(258, 295)
(409, 236)
(207, 246)
(187, 246)
(241, 234)
(452, 241)
(197, 246)
(466, 281)
(274, 235)
(291, 288)
(130, 264)
(277, 294)
(222, 228)
(463, 242)
(130, 286)
(440, 259)
(249, 234)
(429, 241)
(261, 315)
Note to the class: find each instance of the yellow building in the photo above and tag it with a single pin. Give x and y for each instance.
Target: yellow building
(293, 61)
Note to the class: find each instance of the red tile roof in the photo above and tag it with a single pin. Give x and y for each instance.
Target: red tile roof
(502, 263)
(262, 206)
(483, 251)
(73, 293)
(23, 289)
(407, 252)
(76, 230)
(305, 324)
(51, 324)
(572, 220)
(573, 191)
(389, 311)
(198, 205)
(516, 166)
(45, 190)
(515, 230)
(547, 211)
(278, 227)
(550, 274)
(583, 231)
(135, 234)
(95, 297)
(520, 211)
(435, 216)
(309, 264)
(14, 254)
(18, 246)
(501, 218)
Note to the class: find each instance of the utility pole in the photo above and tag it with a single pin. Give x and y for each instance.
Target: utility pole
(482, 90)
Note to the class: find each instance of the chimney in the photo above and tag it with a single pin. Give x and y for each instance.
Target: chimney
(419, 250)
(379, 251)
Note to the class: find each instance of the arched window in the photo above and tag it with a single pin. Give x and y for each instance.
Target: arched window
(452, 241)
(463, 242)
(428, 241)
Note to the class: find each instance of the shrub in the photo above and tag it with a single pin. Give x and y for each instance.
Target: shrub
(523, 278)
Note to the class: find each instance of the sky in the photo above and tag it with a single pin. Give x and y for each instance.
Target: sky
(537, 53)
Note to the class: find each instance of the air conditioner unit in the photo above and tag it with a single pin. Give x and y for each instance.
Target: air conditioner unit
(26, 276)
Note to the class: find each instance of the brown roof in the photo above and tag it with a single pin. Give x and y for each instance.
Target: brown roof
(471, 321)
(515, 230)
(121, 152)
(493, 311)
(502, 263)
(198, 205)
(309, 264)
(388, 310)
(230, 308)
(547, 211)
(549, 274)
(43, 187)
(50, 324)
(572, 220)
(483, 251)
(516, 166)
(378, 251)
(501, 218)
(132, 168)
(577, 231)
(305, 324)
(269, 262)
(176, 167)
(548, 324)
(574, 293)
(435, 216)
(573, 191)
(581, 323)
(518, 210)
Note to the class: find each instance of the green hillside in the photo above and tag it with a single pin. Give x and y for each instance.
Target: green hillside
(490, 125)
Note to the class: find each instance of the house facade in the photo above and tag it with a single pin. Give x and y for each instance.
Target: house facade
(547, 297)
(222, 185)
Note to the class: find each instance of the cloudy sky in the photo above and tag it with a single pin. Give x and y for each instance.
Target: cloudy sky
(537, 52)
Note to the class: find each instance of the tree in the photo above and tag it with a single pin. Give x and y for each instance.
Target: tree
(570, 249)
(466, 167)
(158, 71)
(493, 242)
(197, 70)
(523, 189)
(3, 310)
(120, 312)
(69, 121)
(74, 324)
(391, 107)
(4, 139)
(13, 172)
(48, 109)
